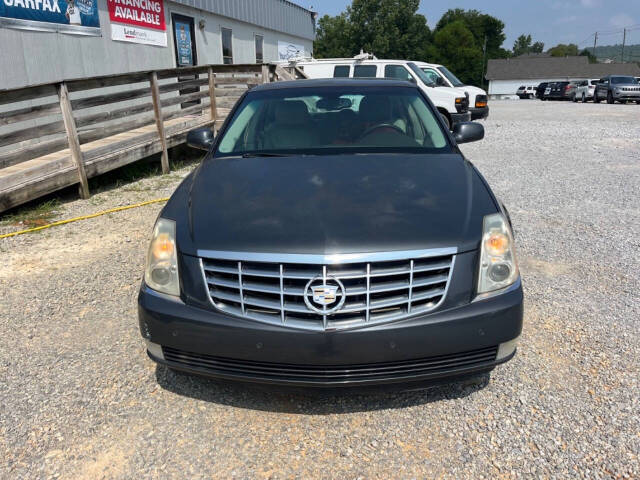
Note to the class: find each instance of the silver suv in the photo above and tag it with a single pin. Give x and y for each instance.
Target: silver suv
(620, 88)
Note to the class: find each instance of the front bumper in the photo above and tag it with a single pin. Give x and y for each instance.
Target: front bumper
(479, 113)
(460, 118)
(455, 342)
(630, 95)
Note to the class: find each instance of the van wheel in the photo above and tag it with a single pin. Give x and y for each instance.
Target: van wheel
(446, 120)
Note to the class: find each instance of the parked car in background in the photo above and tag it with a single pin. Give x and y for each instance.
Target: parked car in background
(452, 103)
(617, 88)
(584, 90)
(478, 105)
(559, 91)
(526, 91)
(540, 90)
(349, 223)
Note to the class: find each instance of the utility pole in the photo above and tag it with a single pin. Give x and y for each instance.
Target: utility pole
(624, 39)
(484, 60)
(595, 41)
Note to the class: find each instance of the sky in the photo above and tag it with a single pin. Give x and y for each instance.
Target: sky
(548, 21)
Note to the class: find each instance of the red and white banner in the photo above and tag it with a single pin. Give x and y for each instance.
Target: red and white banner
(138, 21)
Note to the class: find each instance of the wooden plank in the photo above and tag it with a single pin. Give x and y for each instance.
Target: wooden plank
(99, 117)
(212, 93)
(24, 154)
(230, 92)
(99, 133)
(72, 135)
(109, 81)
(177, 72)
(97, 100)
(282, 74)
(29, 113)
(31, 133)
(28, 93)
(157, 110)
(169, 87)
(265, 73)
(186, 111)
(166, 102)
(227, 102)
(237, 81)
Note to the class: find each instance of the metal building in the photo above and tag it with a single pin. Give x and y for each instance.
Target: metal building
(50, 40)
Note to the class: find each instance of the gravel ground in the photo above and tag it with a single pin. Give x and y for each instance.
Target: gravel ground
(79, 398)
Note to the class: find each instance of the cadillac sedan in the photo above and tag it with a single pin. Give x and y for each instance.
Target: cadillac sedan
(334, 235)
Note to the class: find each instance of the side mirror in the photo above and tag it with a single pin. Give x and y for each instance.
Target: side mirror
(200, 138)
(440, 82)
(466, 132)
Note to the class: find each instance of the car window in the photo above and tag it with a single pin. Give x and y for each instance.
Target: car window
(363, 71)
(334, 121)
(397, 71)
(432, 75)
(455, 81)
(341, 71)
(619, 80)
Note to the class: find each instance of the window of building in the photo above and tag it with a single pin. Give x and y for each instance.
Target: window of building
(341, 71)
(365, 71)
(397, 71)
(227, 46)
(259, 48)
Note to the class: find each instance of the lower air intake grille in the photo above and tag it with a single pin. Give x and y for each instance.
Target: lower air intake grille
(332, 373)
(330, 295)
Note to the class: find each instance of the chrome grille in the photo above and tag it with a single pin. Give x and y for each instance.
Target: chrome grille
(376, 287)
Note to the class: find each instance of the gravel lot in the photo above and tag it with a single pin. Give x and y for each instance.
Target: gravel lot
(80, 399)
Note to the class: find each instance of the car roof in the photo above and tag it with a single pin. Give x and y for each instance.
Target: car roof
(334, 82)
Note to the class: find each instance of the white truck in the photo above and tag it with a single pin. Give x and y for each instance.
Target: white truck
(452, 103)
(443, 77)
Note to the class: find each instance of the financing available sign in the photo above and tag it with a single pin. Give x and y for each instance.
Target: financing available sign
(78, 17)
(138, 21)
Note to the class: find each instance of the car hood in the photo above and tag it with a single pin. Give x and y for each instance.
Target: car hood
(331, 204)
(474, 90)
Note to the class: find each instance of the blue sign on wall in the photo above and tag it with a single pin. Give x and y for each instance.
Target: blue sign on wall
(69, 16)
(183, 43)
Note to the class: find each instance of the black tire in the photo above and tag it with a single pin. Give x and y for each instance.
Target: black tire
(596, 98)
(638, 102)
(573, 98)
(446, 120)
(610, 99)
(584, 98)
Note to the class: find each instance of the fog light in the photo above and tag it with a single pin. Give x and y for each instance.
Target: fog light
(499, 272)
(155, 350)
(506, 349)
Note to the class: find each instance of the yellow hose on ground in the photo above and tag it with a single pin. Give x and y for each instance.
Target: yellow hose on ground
(84, 217)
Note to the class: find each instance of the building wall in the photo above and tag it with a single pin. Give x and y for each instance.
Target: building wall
(30, 58)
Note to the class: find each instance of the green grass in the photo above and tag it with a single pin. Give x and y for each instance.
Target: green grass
(33, 215)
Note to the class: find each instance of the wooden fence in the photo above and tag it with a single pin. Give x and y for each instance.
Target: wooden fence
(56, 135)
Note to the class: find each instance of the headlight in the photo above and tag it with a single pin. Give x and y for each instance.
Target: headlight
(498, 266)
(161, 273)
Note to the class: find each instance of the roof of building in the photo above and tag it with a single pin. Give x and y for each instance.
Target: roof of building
(525, 68)
(279, 15)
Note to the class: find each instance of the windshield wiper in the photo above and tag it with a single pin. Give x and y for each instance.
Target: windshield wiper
(264, 154)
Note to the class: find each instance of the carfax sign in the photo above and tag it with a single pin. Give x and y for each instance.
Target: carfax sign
(138, 21)
(78, 17)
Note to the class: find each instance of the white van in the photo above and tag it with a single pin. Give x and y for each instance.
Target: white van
(440, 74)
(452, 103)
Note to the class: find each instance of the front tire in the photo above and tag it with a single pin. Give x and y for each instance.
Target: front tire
(446, 120)
(596, 98)
(610, 99)
(584, 98)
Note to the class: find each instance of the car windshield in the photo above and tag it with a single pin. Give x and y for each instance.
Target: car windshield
(618, 80)
(331, 120)
(426, 79)
(455, 81)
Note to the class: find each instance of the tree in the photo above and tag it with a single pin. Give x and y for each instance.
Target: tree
(455, 46)
(522, 45)
(537, 47)
(386, 28)
(587, 53)
(562, 50)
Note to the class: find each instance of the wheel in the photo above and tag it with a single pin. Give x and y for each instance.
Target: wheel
(596, 98)
(446, 121)
(573, 98)
(584, 98)
(638, 102)
(529, 96)
(610, 99)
